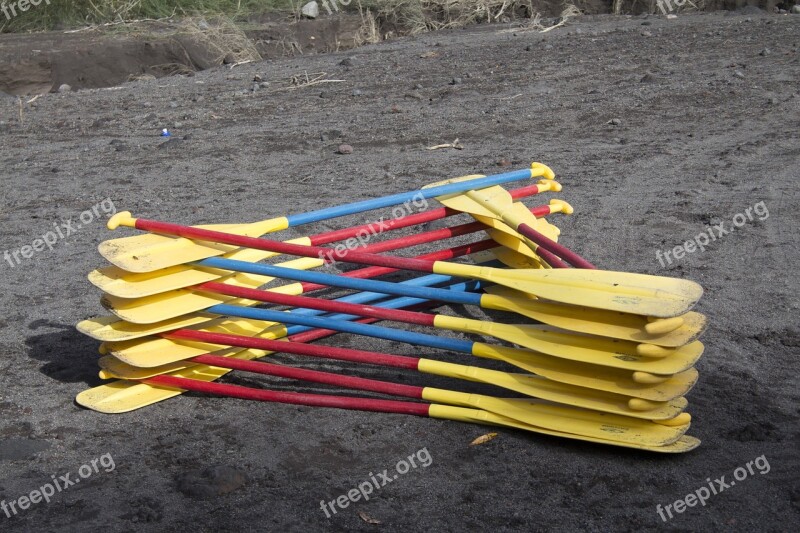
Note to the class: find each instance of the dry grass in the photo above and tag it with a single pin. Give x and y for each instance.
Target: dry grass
(225, 40)
(420, 16)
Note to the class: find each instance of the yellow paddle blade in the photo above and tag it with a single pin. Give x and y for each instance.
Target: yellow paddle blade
(154, 352)
(149, 252)
(112, 329)
(599, 322)
(118, 282)
(519, 209)
(516, 260)
(561, 394)
(577, 346)
(512, 243)
(169, 305)
(639, 294)
(684, 444)
(537, 413)
(589, 375)
(613, 428)
(585, 351)
(124, 396)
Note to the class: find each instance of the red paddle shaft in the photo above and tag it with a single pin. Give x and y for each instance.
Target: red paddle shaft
(294, 347)
(296, 398)
(329, 306)
(554, 247)
(405, 221)
(400, 263)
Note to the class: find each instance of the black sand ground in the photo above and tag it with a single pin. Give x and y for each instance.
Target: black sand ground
(657, 128)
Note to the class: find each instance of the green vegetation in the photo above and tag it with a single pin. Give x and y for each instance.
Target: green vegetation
(60, 14)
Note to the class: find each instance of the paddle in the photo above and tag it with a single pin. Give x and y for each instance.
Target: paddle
(182, 302)
(566, 317)
(496, 203)
(615, 354)
(96, 399)
(148, 253)
(118, 282)
(562, 371)
(616, 291)
(585, 376)
(112, 329)
(512, 408)
(529, 336)
(569, 422)
(163, 352)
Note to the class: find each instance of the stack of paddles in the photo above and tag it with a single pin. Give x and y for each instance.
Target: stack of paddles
(599, 356)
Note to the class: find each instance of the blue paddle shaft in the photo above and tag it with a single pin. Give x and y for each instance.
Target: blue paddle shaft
(321, 278)
(397, 199)
(356, 328)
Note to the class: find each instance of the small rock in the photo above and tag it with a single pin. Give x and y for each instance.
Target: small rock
(773, 101)
(528, 48)
(173, 104)
(504, 163)
(646, 33)
(357, 92)
(418, 87)
(739, 74)
(64, 88)
(672, 16)
(310, 10)
(614, 122)
(255, 88)
(264, 84)
(548, 46)
(344, 149)
(346, 62)
(765, 52)
(323, 94)
(455, 81)
(648, 78)
(198, 98)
